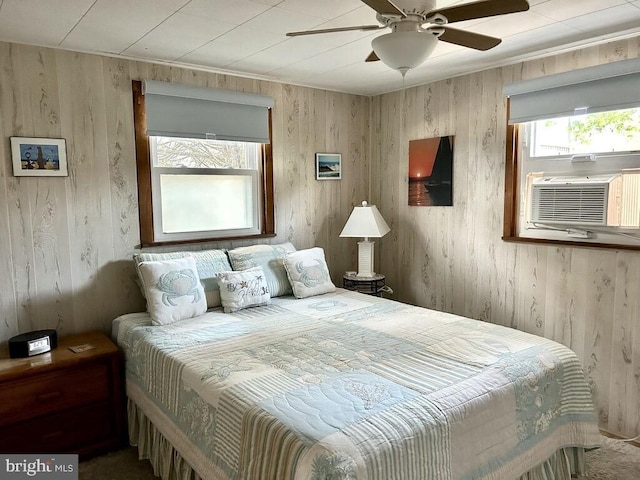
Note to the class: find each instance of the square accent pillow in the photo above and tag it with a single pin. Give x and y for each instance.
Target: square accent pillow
(308, 272)
(208, 263)
(269, 257)
(243, 289)
(172, 289)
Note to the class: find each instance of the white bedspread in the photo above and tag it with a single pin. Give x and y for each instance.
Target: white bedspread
(347, 386)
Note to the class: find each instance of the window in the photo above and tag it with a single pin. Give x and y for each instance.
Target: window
(605, 133)
(189, 176)
(194, 185)
(573, 158)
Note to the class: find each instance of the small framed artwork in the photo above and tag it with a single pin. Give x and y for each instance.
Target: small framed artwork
(328, 166)
(39, 157)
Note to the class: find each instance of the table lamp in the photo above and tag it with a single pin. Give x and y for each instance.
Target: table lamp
(365, 221)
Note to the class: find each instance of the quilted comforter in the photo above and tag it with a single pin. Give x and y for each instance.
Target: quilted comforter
(346, 386)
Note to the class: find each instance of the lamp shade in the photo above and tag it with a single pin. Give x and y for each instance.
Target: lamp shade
(365, 221)
(404, 50)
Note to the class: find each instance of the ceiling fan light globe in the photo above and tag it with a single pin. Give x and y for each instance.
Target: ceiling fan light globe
(404, 50)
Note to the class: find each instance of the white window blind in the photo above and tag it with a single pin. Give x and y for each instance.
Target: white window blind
(175, 110)
(611, 86)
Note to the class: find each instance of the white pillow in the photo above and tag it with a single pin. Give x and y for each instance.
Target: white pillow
(173, 290)
(208, 263)
(242, 289)
(308, 272)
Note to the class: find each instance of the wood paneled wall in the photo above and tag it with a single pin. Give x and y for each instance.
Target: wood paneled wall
(453, 258)
(66, 243)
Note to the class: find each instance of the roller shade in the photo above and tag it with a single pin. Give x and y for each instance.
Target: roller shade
(175, 110)
(611, 86)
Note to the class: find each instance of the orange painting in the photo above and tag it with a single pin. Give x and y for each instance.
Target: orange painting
(431, 172)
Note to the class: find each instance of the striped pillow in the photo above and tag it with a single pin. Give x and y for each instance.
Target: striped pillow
(270, 258)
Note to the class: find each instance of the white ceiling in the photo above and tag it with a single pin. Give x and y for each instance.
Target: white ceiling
(248, 36)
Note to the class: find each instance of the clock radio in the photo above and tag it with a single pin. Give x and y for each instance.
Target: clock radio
(32, 343)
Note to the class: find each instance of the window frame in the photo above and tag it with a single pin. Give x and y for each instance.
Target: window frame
(145, 187)
(512, 196)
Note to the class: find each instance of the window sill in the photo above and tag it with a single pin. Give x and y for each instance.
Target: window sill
(566, 243)
(204, 240)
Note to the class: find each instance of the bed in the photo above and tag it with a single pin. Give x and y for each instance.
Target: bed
(348, 386)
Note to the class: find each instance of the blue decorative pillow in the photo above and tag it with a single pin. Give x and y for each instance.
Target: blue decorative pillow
(172, 289)
(308, 272)
(269, 257)
(208, 264)
(247, 288)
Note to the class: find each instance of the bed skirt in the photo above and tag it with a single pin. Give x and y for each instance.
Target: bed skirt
(566, 463)
(169, 464)
(152, 445)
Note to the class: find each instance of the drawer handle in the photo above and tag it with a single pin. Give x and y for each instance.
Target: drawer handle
(48, 397)
(48, 436)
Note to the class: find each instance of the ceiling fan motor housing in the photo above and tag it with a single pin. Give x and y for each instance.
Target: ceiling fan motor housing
(418, 7)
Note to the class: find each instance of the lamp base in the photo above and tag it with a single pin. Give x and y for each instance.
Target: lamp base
(365, 259)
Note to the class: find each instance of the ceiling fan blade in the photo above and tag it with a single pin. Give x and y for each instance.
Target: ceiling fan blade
(363, 28)
(482, 9)
(385, 7)
(372, 57)
(468, 39)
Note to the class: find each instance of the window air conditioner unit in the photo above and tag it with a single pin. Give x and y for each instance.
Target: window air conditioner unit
(589, 200)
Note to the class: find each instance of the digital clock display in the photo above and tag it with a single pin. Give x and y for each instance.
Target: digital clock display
(38, 344)
(32, 343)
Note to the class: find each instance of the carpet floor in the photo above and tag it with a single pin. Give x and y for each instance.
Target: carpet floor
(616, 460)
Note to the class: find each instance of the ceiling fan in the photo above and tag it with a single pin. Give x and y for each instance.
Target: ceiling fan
(417, 26)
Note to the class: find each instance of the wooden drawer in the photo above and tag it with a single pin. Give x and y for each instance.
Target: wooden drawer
(71, 431)
(53, 392)
(63, 401)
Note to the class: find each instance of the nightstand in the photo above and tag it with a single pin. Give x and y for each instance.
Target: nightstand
(61, 401)
(370, 285)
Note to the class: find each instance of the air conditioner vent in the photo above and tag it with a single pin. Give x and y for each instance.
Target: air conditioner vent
(572, 200)
(570, 205)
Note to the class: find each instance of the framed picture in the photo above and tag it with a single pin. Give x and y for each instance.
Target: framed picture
(328, 166)
(431, 172)
(39, 157)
